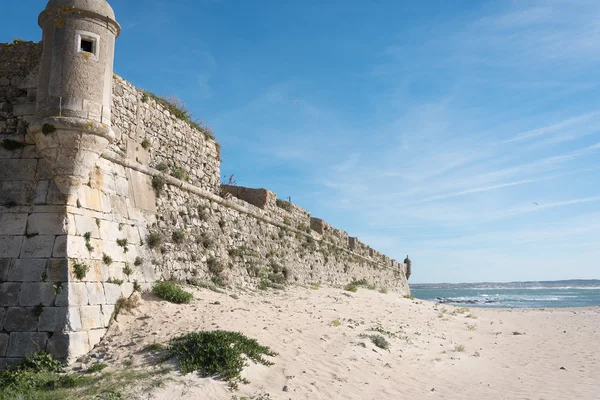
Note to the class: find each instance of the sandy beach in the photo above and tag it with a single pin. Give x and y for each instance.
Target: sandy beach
(436, 351)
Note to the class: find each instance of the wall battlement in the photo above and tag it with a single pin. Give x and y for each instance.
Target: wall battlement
(149, 207)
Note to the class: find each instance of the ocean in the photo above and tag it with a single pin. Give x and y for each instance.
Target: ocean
(546, 294)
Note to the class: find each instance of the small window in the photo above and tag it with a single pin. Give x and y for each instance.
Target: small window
(87, 45)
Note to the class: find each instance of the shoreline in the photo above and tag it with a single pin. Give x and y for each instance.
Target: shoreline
(435, 352)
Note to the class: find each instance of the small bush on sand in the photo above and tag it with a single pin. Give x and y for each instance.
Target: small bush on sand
(221, 353)
(379, 341)
(351, 288)
(170, 291)
(459, 348)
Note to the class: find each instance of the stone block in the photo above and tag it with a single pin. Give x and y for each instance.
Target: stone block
(20, 319)
(3, 344)
(47, 224)
(73, 319)
(4, 269)
(27, 270)
(35, 293)
(6, 363)
(91, 317)
(9, 293)
(126, 289)
(52, 319)
(96, 293)
(60, 246)
(86, 224)
(72, 294)
(40, 246)
(41, 191)
(13, 224)
(141, 187)
(107, 313)
(23, 109)
(57, 270)
(94, 199)
(17, 169)
(112, 292)
(10, 246)
(99, 271)
(69, 345)
(2, 316)
(76, 247)
(96, 336)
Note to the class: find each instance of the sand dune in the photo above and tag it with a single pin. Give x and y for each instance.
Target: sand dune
(555, 357)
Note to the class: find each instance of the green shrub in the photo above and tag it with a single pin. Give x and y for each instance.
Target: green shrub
(214, 266)
(48, 129)
(221, 353)
(11, 145)
(286, 205)
(37, 372)
(178, 174)
(178, 236)
(127, 270)
(154, 239)
(170, 291)
(80, 270)
(158, 184)
(115, 281)
(379, 341)
(107, 259)
(146, 144)
(351, 288)
(97, 368)
(138, 261)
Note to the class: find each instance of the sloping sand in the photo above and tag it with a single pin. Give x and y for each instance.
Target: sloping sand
(318, 360)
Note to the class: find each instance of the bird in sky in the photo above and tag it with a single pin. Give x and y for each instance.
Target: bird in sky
(535, 203)
(296, 101)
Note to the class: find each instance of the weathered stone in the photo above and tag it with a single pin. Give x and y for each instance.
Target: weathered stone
(3, 344)
(91, 317)
(69, 345)
(35, 293)
(96, 336)
(96, 293)
(17, 170)
(4, 269)
(52, 319)
(57, 270)
(27, 270)
(107, 313)
(9, 294)
(112, 292)
(10, 246)
(73, 321)
(20, 319)
(2, 316)
(37, 247)
(47, 224)
(13, 224)
(72, 294)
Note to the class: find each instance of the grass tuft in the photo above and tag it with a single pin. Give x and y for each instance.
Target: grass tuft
(170, 291)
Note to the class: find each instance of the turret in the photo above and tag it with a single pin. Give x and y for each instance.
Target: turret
(71, 126)
(408, 264)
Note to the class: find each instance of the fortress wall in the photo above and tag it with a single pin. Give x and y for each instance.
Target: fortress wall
(246, 238)
(173, 143)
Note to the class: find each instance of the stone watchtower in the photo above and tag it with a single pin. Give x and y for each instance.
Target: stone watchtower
(71, 126)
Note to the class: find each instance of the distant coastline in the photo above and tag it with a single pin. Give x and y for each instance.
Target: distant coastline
(507, 285)
(530, 294)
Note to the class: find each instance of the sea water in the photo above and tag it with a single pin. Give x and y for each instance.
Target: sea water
(513, 295)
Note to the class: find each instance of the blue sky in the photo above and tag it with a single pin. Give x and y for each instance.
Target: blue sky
(424, 128)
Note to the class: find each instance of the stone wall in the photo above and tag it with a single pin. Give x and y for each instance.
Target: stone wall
(152, 209)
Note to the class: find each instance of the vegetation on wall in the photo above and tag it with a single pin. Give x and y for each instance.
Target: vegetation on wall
(178, 108)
